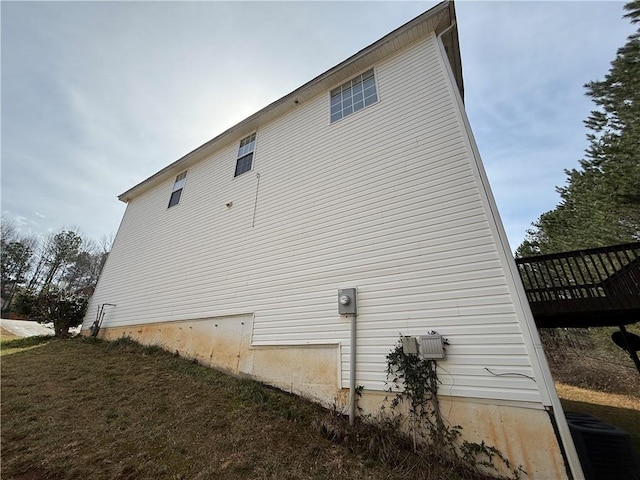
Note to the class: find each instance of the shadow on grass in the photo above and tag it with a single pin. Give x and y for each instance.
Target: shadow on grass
(625, 418)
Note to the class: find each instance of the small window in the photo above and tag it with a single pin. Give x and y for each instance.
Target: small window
(245, 155)
(177, 189)
(354, 95)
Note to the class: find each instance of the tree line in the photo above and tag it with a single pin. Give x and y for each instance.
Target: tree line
(600, 203)
(599, 206)
(63, 264)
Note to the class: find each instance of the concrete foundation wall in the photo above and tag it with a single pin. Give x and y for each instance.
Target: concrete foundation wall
(524, 435)
(225, 343)
(522, 432)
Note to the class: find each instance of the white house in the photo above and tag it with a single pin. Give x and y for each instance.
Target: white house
(366, 177)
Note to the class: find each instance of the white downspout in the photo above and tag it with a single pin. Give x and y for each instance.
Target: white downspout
(453, 24)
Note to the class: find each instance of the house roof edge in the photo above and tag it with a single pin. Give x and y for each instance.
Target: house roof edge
(322, 82)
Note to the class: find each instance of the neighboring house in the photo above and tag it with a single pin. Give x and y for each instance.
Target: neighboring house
(366, 177)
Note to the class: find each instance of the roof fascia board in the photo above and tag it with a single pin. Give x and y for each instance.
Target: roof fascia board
(436, 18)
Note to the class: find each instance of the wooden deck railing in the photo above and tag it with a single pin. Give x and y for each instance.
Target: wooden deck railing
(585, 287)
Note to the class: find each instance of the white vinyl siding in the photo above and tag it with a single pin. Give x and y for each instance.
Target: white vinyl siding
(387, 202)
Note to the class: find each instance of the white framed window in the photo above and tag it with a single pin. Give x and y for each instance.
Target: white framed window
(244, 163)
(178, 185)
(353, 95)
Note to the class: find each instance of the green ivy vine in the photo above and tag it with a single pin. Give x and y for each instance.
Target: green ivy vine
(414, 382)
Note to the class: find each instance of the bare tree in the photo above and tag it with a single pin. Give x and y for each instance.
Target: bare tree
(8, 230)
(16, 260)
(64, 259)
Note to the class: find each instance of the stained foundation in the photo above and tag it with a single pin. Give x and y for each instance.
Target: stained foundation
(225, 343)
(522, 433)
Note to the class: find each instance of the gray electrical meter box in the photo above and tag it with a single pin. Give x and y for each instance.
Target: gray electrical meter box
(347, 301)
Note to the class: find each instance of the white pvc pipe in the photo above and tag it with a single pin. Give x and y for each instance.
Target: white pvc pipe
(352, 372)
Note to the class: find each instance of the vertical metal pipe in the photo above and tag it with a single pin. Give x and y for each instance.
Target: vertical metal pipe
(255, 202)
(352, 372)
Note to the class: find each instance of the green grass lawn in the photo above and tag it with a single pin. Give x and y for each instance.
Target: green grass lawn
(92, 410)
(89, 409)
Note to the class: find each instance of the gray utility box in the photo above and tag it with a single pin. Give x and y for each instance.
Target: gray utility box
(431, 346)
(410, 346)
(347, 304)
(427, 346)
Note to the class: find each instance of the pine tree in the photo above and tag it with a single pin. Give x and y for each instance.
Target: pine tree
(600, 204)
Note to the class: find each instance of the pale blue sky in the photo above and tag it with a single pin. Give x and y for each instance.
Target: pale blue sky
(97, 96)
